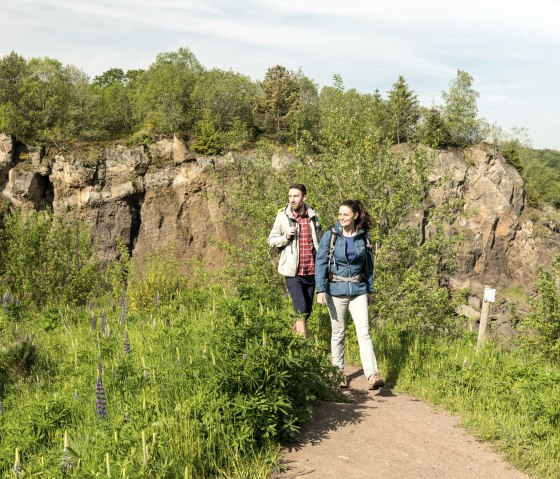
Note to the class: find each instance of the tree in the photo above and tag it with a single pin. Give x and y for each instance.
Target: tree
(460, 110)
(207, 140)
(13, 71)
(403, 111)
(431, 129)
(277, 102)
(109, 77)
(226, 95)
(162, 94)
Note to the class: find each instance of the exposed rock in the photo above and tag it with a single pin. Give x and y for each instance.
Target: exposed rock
(467, 311)
(6, 158)
(498, 246)
(475, 302)
(160, 194)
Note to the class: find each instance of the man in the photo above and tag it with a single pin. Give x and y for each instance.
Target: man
(296, 233)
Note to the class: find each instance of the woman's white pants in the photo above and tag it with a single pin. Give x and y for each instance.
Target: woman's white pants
(358, 307)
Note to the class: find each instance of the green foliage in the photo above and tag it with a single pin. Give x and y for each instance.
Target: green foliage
(506, 397)
(351, 164)
(153, 279)
(460, 110)
(47, 258)
(162, 93)
(403, 111)
(226, 96)
(277, 102)
(207, 140)
(541, 327)
(431, 130)
(541, 172)
(211, 384)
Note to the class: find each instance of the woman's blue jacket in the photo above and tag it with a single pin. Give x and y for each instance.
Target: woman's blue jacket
(340, 265)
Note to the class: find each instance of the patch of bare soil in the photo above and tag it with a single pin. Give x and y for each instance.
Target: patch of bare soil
(382, 434)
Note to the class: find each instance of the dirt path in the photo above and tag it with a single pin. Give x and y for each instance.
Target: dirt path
(389, 436)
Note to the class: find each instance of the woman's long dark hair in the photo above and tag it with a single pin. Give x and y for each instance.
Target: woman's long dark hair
(364, 219)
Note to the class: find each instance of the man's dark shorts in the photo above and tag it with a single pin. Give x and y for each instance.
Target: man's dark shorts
(302, 290)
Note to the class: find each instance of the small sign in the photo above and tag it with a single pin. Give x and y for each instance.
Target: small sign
(490, 295)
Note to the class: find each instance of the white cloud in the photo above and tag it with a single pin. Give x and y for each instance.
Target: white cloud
(511, 48)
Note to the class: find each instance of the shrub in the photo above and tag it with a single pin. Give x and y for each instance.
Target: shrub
(47, 258)
(541, 327)
(153, 279)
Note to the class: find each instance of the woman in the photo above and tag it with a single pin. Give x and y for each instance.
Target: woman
(344, 282)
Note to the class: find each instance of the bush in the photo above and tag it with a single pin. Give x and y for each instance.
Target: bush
(541, 327)
(47, 258)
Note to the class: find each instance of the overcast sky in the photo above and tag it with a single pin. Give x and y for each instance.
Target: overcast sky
(512, 49)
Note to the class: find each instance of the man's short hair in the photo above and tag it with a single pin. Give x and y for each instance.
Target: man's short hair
(299, 186)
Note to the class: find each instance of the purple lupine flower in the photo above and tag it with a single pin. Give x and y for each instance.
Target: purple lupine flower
(91, 305)
(93, 321)
(103, 322)
(123, 310)
(1, 408)
(100, 399)
(126, 343)
(157, 300)
(6, 300)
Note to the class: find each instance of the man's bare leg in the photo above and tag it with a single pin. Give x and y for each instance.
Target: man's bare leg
(300, 327)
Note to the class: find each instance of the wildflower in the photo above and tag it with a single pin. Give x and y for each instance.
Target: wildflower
(1, 408)
(17, 464)
(75, 395)
(104, 323)
(123, 309)
(93, 321)
(126, 343)
(244, 357)
(91, 305)
(6, 301)
(126, 416)
(157, 300)
(100, 399)
(66, 460)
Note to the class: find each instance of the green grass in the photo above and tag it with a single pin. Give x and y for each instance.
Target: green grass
(505, 397)
(211, 386)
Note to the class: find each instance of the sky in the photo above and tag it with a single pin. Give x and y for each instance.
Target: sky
(512, 49)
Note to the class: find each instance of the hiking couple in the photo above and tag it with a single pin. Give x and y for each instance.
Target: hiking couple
(338, 265)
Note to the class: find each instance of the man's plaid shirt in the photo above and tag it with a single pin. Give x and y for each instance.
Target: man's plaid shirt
(306, 257)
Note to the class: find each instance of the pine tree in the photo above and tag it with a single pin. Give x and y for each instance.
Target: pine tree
(403, 111)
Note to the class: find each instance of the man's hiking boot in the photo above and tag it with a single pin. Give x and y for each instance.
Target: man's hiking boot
(344, 382)
(375, 382)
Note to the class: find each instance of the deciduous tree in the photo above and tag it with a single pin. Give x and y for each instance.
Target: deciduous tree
(460, 110)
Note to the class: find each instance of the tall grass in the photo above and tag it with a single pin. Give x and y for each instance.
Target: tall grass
(506, 397)
(210, 385)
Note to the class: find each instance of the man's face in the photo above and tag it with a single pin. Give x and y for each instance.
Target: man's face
(296, 199)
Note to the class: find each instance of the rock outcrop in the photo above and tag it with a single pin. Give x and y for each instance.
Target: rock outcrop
(151, 196)
(161, 194)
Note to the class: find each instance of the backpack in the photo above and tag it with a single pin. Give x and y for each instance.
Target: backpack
(332, 245)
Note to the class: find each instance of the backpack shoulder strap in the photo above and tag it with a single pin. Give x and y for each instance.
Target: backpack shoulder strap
(332, 244)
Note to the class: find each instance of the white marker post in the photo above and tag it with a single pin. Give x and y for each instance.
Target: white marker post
(489, 297)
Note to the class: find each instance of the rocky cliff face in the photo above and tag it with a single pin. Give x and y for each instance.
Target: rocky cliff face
(150, 196)
(160, 194)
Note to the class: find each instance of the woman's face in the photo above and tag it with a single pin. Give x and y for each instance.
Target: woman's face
(346, 217)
